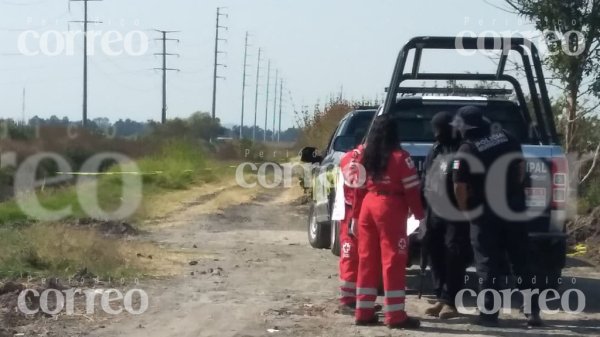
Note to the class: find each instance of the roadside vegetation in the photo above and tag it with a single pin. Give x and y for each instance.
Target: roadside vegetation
(318, 126)
(174, 162)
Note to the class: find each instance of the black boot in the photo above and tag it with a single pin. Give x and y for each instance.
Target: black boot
(534, 320)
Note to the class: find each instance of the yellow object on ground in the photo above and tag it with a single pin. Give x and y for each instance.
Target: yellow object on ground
(580, 250)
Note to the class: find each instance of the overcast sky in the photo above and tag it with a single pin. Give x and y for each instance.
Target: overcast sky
(317, 45)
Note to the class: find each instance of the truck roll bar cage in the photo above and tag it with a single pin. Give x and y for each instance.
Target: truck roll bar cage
(531, 64)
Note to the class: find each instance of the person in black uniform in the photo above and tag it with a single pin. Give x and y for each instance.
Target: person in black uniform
(494, 236)
(446, 240)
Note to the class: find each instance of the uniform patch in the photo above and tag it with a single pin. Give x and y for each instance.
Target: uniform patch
(491, 141)
(402, 244)
(456, 165)
(444, 167)
(346, 247)
(410, 163)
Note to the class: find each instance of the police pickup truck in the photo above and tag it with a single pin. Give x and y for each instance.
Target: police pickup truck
(527, 117)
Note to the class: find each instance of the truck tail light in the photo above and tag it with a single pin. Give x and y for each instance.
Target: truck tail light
(559, 182)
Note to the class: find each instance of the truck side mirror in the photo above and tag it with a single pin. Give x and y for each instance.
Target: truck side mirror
(309, 155)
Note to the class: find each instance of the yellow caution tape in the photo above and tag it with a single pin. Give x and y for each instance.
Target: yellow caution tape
(580, 250)
(108, 173)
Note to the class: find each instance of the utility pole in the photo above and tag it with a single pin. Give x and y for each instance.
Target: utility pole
(256, 94)
(85, 22)
(267, 103)
(23, 108)
(275, 105)
(217, 64)
(244, 87)
(280, 109)
(164, 69)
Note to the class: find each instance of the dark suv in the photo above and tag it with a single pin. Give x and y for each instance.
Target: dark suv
(322, 233)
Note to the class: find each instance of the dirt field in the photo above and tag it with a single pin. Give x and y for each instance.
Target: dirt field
(257, 276)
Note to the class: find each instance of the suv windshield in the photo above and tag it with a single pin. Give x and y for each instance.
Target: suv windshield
(357, 125)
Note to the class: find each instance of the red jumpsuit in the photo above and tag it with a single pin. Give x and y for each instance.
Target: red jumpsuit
(382, 236)
(348, 243)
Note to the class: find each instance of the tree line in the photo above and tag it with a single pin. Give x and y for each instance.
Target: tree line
(199, 125)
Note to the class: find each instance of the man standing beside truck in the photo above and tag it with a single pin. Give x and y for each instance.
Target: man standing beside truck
(493, 236)
(446, 239)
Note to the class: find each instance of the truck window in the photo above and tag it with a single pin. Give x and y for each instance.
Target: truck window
(414, 123)
(357, 126)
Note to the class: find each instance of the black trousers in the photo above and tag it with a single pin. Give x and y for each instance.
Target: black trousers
(501, 248)
(449, 255)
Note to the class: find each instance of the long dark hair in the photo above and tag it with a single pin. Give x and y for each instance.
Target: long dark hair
(382, 140)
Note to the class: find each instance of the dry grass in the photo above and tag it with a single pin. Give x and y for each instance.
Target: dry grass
(62, 250)
(227, 198)
(182, 215)
(161, 205)
(289, 195)
(164, 263)
(76, 144)
(197, 200)
(317, 128)
(47, 249)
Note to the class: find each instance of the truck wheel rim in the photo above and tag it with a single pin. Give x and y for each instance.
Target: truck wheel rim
(334, 226)
(313, 226)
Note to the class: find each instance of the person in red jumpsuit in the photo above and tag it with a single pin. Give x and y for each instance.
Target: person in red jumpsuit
(392, 193)
(348, 265)
(348, 242)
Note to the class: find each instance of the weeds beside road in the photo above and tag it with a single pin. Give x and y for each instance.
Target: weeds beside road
(29, 247)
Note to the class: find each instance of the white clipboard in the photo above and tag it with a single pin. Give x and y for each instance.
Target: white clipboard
(339, 204)
(411, 225)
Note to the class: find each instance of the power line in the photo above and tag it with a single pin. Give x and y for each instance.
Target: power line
(256, 94)
(85, 56)
(267, 103)
(217, 64)
(244, 77)
(23, 106)
(164, 69)
(275, 105)
(280, 109)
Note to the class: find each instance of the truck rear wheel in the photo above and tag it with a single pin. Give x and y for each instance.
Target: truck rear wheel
(318, 233)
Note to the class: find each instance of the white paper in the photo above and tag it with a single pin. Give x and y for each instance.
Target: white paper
(339, 204)
(411, 225)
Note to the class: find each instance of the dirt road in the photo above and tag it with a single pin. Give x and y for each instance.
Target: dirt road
(257, 276)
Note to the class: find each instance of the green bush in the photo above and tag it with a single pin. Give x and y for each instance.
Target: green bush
(175, 167)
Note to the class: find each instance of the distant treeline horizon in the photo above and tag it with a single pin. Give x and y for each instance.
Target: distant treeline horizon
(128, 128)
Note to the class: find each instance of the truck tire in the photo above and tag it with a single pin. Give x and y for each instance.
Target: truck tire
(335, 238)
(319, 234)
